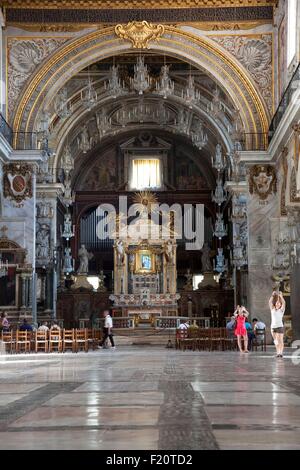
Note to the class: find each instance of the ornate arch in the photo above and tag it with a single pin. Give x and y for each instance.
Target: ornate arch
(83, 51)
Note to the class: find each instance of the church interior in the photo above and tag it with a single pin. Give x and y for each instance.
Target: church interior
(149, 170)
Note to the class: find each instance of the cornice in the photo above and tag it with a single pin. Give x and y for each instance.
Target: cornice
(136, 4)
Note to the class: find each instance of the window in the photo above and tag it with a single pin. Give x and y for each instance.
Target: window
(292, 31)
(146, 173)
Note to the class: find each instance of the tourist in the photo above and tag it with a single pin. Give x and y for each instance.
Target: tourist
(25, 326)
(230, 325)
(107, 330)
(184, 325)
(277, 307)
(250, 333)
(4, 323)
(54, 326)
(240, 331)
(43, 327)
(258, 325)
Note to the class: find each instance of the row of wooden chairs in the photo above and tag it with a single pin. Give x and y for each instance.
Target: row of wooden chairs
(51, 340)
(212, 339)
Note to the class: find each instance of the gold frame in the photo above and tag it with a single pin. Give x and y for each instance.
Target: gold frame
(138, 262)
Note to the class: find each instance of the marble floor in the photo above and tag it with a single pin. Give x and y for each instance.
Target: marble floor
(149, 398)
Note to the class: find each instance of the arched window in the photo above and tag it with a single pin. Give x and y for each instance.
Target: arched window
(292, 31)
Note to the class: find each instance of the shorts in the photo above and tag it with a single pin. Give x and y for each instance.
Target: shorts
(278, 330)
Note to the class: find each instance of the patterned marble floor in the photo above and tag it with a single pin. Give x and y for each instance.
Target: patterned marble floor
(149, 398)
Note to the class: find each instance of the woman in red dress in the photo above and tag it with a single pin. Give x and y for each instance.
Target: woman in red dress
(240, 330)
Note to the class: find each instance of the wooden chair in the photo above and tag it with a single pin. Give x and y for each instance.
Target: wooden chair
(68, 340)
(9, 340)
(81, 340)
(216, 339)
(55, 340)
(41, 340)
(259, 340)
(203, 341)
(97, 336)
(23, 341)
(230, 340)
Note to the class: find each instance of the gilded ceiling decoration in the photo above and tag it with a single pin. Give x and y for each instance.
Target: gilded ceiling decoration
(255, 54)
(140, 33)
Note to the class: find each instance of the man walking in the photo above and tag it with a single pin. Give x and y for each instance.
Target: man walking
(107, 330)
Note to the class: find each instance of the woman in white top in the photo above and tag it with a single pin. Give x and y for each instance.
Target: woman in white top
(277, 307)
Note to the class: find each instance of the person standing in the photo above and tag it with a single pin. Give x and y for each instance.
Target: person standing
(107, 330)
(4, 325)
(277, 308)
(240, 330)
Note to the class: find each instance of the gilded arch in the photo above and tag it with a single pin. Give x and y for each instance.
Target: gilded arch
(203, 53)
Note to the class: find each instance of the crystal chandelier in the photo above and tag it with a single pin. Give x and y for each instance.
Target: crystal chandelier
(123, 116)
(103, 122)
(182, 121)
(236, 130)
(141, 80)
(199, 138)
(89, 95)
(220, 195)
(220, 230)
(217, 160)
(190, 95)
(165, 86)
(114, 86)
(216, 106)
(67, 159)
(163, 114)
(220, 264)
(83, 140)
(62, 106)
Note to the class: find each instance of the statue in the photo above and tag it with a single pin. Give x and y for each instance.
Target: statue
(84, 257)
(68, 264)
(68, 196)
(83, 141)
(42, 242)
(169, 252)
(45, 210)
(205, 258)
(120, 252)
(101, 287)
(189, 280)
(217, 160)
(68, 232)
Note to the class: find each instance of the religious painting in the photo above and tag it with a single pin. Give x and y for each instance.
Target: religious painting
(188, 175)
(102, 176)
(144, 262)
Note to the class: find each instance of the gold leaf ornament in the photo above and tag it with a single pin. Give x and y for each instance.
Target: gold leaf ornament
(140, 33)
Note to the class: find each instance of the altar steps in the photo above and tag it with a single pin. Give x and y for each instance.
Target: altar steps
(144, 336)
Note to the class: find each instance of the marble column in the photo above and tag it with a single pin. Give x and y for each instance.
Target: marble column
(23, 301)
(295, 300)
(260, 282)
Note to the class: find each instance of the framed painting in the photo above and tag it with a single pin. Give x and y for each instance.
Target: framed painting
(145, 262)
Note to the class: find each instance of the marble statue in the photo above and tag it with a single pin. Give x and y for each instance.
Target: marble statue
(68, 160)
(45, 210)
(84, 257)
(189, 280)
(217, 160)
(68, 262)
(42, 242)
(68, 232)
(169, 252)
(205, 258)
(120, 252)
(83, 141)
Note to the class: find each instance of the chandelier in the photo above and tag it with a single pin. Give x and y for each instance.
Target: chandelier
(182, 121)
(141, 80)
(216, 106)
(62, 106)
(238, 255)
(190, 95)
(123, 116)
(114, 86)
(220, 194)
(217, 160)
(163, 114)
(67, 159)
(89, 95)
(220, 230)
(103, 122)
(220, 264)
(165, 86)
(199, 138)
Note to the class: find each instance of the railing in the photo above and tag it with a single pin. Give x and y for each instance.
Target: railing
(118, 322)
(285, 101)
(6, 130)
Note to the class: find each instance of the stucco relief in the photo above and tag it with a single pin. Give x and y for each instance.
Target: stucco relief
(24, 56)
(255, 54)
